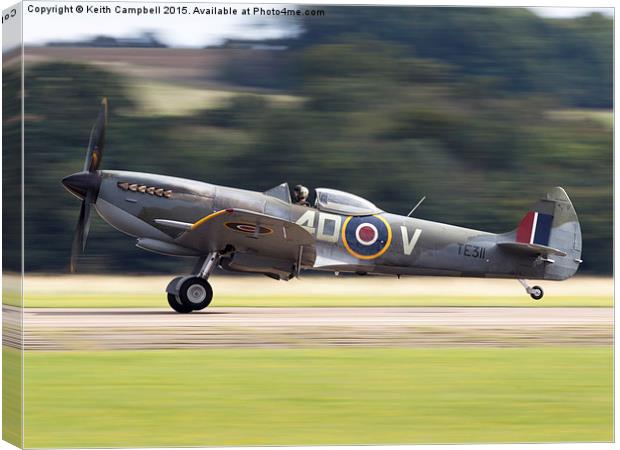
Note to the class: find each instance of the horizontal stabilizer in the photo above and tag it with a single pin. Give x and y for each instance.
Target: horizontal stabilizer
(533, 249)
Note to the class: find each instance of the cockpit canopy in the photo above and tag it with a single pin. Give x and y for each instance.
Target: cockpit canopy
(330, 200)
(340, 202)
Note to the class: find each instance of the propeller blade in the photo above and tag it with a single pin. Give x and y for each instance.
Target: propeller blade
(86, 184)
(81, 233)
(89, 200)
(96, 143)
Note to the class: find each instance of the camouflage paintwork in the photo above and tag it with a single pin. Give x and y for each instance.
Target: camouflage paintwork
(417, 247)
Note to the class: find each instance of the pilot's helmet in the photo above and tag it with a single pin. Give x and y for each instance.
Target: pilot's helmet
(301, 192)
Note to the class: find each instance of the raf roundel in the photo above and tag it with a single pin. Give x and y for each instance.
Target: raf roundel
(248, 228)
(366, 237)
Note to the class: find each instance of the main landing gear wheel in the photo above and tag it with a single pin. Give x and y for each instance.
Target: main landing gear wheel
(175, 303)
(536, 292)
(195, 293)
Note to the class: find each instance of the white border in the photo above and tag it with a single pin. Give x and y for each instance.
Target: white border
(360, 240)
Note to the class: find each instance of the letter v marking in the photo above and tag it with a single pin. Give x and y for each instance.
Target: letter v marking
(409, 244)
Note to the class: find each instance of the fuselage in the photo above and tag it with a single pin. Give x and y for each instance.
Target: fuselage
(379, 243)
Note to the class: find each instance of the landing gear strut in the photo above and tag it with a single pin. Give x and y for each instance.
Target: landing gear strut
(193, 293)
(536, 292)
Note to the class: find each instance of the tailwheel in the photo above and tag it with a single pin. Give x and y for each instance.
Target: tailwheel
(195, 293)
(536, 292)
(175, 303)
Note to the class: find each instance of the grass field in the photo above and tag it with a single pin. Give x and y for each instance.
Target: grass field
(159, 301)
(276, 396)
(148, 291)
(326, 396)
(11, 396)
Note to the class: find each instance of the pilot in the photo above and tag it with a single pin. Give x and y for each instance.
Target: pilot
(301, 195)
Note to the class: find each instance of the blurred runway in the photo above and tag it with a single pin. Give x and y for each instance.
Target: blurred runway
(146, 328)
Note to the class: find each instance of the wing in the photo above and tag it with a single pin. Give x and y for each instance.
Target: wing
(246, 232)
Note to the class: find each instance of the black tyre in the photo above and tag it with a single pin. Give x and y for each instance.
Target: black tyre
(195, 293)
(175, 304)
(536, 292)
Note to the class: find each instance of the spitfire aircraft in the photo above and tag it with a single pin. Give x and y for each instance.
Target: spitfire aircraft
(267, 233)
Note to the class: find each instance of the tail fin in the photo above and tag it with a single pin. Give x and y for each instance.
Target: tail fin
(551, 229)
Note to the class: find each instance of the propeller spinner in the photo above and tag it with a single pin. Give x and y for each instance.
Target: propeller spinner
(85, 184)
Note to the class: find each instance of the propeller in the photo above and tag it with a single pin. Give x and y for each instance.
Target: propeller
(85, 184)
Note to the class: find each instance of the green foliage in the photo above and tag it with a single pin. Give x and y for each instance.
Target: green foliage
(11, 169)
(268, 70)
(570, 59)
